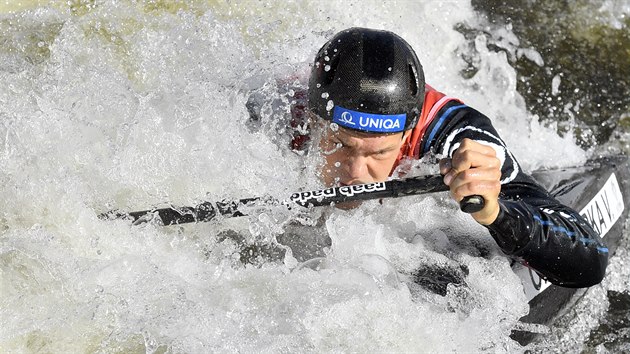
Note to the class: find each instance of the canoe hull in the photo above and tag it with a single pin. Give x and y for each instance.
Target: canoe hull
(600, 190)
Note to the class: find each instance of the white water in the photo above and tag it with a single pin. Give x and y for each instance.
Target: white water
(127, 107)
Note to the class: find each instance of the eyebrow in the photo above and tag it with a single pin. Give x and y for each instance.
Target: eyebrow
(386, 148)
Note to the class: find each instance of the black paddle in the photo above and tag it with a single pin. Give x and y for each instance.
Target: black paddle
(207, 211)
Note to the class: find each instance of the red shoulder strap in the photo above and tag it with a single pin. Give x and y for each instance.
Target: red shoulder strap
(433, 102)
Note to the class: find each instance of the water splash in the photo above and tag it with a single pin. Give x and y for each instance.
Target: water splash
(126, 105)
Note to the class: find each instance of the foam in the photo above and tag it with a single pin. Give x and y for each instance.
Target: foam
(133, 107)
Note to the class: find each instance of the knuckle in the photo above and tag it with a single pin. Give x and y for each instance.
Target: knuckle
(470, 144)
(456, 161)
(461, 155)
(475, 188)
(465, 157)
(466, 142)
(468, 175)
(483, 188)
(463, 146)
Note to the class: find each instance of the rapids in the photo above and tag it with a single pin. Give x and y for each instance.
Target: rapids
(124, 105)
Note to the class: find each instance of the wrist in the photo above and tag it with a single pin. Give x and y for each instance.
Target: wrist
(488, 214)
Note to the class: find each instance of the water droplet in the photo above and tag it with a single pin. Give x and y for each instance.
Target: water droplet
(389, 69)
(325, 95)
(329, 105)
(337, 164)
(327, 68)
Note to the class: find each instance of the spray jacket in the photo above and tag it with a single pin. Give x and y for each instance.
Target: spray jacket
(532, 226)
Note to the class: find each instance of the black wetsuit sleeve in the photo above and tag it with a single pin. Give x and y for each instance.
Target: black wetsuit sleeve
(532, 226)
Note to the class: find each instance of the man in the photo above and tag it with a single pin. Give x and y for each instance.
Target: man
(367, 91)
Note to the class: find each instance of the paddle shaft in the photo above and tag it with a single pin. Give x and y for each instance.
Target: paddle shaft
(207, 211)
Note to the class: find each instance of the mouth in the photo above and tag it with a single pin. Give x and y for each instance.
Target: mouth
(352, 183)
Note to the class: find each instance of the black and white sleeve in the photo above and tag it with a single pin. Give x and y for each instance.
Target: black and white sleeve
(532, 226)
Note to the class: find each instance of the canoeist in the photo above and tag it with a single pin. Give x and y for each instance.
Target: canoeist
(368, 98)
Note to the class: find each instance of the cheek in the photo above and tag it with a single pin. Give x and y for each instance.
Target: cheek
(380, 169)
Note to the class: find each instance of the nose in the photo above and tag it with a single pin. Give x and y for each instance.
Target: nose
(356, 167)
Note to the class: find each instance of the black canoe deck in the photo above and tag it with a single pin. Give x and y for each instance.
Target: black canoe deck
(600, 191)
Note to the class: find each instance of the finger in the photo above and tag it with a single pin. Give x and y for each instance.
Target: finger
(489, 190)
(470, 160)
(469, 144)
(475, 170)
(465, 159)
(481, 182)
(473, 154)
(445, 166)
(475, 175)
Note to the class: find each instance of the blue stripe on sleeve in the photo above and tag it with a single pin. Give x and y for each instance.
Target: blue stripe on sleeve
(441, 121)
(568, 233)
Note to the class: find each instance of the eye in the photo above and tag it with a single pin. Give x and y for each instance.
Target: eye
(381, 154)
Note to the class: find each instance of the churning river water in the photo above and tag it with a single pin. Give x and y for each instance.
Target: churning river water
(127, 105)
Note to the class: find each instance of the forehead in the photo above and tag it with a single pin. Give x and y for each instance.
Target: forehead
(361, 138)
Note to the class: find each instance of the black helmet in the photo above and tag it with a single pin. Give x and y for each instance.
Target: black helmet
(367, 80)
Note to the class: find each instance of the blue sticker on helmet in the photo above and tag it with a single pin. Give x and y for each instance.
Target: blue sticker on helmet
(370, 122)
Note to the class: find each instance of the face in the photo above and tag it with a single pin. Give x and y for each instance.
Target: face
(353, 157)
